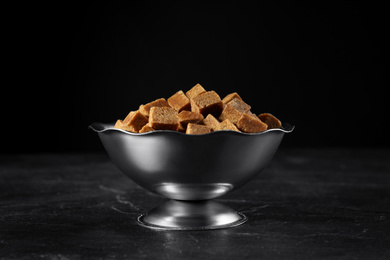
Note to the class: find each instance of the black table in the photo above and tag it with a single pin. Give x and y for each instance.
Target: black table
(308, 203)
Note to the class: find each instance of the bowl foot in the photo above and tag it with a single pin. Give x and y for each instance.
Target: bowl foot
(191, 215)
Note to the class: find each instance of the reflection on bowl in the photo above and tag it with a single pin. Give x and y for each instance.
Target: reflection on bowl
(192, 191)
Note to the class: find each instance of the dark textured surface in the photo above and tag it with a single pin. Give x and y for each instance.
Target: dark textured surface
(307, 204)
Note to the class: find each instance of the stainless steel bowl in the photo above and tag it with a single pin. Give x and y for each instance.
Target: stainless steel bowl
(190, 169)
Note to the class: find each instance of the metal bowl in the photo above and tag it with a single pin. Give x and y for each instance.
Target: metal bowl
(188, 168)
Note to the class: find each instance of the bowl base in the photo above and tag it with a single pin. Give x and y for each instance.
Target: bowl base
(191, 215)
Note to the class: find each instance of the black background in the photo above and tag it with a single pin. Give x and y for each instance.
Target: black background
(319, 67)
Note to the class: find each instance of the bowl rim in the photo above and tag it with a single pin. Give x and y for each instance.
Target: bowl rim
(104, 127)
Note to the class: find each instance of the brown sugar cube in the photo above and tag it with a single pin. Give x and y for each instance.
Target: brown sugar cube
(128, 117)
(270, 120)
(135, 120)
(211, 122)
(226, 125)
(145, 109)
(146, 128)
(119, 124)
(207, 103)
(164, 118)
(186, 117)
(251, 114)
(195, 90)
(234, 110)
(240, 105)
(230, 97)
(179, 101)
(195, 129)
(250, 124)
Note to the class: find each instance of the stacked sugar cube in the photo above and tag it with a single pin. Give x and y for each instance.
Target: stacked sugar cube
(197, 112)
